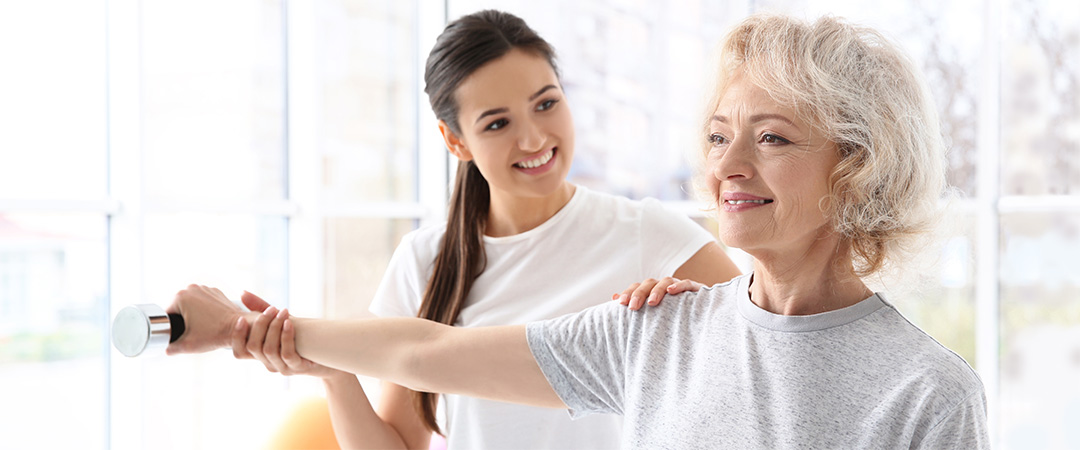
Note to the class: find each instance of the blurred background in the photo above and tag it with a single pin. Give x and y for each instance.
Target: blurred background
(284, 147)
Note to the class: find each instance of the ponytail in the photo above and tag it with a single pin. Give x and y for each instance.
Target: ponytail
(460, 260)
(464, 46)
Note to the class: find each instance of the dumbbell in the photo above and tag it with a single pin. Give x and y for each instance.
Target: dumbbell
(145, 328)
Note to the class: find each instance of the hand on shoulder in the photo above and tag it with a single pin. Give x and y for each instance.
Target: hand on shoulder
(652, 291)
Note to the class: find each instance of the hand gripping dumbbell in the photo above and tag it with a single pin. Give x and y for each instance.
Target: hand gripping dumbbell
(145, 328)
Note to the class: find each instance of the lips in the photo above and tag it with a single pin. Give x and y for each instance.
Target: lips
(537, 161)
(741, 201)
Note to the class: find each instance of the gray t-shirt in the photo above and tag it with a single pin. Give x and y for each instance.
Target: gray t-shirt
(712, 370)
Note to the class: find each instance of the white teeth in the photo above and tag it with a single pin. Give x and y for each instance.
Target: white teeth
(537, 162)
(739, 202)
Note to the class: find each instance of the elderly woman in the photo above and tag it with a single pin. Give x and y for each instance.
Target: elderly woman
(824, 161)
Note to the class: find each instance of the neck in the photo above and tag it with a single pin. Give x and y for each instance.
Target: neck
(812, 280)
(510, 215)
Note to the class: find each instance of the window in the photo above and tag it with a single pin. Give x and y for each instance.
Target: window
(285, 147)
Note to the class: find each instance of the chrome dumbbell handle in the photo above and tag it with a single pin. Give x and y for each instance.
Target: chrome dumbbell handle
(138, 329)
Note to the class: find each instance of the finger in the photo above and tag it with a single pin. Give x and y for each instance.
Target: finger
(624, 297)
(239, 340)
(272, 343)
(641, 294)
(684, 286)
(253, 302)
(288, 346)
(258, 335)
(657, 294)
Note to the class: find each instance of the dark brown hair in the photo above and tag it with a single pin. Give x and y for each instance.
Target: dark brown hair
(463, 47)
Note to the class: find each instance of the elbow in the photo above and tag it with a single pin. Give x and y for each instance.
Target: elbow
(418, 365)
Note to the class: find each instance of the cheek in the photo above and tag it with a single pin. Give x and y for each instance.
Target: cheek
(806, 192)
(487, 158)
(562, 125)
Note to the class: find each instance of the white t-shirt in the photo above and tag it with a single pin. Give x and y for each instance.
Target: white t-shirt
(713, 370)
(595, 246)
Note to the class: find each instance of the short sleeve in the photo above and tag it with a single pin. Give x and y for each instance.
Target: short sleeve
(402, 287)
(583, 357)
(668, 239)
(963, 427)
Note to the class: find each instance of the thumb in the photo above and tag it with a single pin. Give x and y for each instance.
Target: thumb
(253, 302)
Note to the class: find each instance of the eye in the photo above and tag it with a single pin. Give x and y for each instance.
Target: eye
(546, 105)
(496, 125)
(769, 138)
(717, 139)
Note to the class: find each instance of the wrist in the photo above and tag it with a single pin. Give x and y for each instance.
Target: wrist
(225, 338)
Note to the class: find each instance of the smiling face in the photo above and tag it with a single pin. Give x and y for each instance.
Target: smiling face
(769, 171)
(515, 125)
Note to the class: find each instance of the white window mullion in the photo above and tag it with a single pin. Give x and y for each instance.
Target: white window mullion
(433, 161)
(126, 225)
(987, 219)
(1039, 204)
(258, 208)
(104, 207)
(306, 227)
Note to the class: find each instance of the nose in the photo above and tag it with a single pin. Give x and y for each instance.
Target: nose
(735, 162)
(531, 136)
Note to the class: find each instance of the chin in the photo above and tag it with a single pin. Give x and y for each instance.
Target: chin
(741, 237)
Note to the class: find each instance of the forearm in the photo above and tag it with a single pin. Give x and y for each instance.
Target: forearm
(356, 424)
(379, 348)
(486, 362)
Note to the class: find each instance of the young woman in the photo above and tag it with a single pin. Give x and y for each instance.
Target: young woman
(517, 234)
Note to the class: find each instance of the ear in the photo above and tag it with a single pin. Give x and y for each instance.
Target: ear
(454, 143)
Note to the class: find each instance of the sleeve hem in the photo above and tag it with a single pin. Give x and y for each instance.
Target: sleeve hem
(534, 335)
(946, 416)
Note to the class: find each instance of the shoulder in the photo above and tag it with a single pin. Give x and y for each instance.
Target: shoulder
(708, 305)
(593, 202)
(948, 373)
(423, 242)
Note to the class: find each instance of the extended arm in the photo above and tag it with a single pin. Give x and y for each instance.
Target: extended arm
(487, 362)
(356, 424)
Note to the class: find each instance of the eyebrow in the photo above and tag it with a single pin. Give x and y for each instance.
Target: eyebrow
(492, 112)
(758, 118)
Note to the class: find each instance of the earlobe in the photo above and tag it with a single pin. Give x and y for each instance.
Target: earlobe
(453, 143)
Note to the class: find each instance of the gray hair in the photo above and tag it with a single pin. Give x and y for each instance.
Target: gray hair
(860, 90)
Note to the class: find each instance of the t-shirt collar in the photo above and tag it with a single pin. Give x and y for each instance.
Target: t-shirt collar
(801, 324)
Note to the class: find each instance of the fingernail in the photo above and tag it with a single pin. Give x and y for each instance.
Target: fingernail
(614, 296)
(239, 324)
(283, 313)
(622, 298)
(270, 311)
(634, 299)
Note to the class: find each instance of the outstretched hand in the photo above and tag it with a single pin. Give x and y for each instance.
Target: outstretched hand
(652, 291)
(208, 318)
(271, 339)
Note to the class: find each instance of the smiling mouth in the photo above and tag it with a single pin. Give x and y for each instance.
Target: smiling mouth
(538, 161)
(739, 202)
